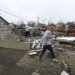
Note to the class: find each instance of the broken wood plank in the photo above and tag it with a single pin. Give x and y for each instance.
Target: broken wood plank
(39, 50)
(32, 53)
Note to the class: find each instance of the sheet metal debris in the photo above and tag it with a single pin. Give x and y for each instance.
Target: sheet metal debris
(64, 73)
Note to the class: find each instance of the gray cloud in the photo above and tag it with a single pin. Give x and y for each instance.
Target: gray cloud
(45, 9)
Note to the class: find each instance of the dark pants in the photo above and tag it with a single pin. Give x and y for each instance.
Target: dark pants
(27, 33)
(45, 47)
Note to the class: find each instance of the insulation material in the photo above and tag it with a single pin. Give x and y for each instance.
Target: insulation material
(36, 43)
(33, 44)
(38, 46)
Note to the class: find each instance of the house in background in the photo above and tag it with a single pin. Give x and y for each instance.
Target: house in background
(60, 27)
(3, 21)
(70, 28)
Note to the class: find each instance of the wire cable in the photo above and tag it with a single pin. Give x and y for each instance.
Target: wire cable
(12, 14)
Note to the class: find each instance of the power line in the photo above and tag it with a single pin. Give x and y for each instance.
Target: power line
(12, 14)
(4, 8)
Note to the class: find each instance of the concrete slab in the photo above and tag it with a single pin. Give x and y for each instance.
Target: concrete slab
(15, 45)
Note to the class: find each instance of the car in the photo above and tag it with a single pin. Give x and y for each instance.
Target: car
(35, 32)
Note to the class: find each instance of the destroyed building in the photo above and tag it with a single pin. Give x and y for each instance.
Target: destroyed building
(5, 30)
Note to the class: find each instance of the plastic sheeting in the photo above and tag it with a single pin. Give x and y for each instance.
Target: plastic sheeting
(64, 73)
(36, 43)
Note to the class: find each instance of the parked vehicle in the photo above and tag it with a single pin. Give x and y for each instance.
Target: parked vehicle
(35, 32)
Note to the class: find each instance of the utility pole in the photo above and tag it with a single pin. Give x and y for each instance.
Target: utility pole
(43, 21)
(0, 14)
(38, 19)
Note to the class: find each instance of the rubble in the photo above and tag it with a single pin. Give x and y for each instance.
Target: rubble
(36, 44)
(34, 52)
(36, 73)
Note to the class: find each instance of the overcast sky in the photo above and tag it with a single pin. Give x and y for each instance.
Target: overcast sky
(47, 10)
